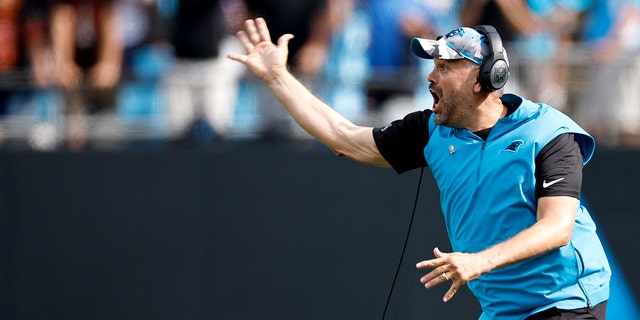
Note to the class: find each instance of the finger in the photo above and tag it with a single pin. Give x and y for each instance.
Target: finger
(434, 282)
(244, 39)
(237, 57)
(433, 263)
(452, 291)
(435, 277)
(263, 30)
(252, 31)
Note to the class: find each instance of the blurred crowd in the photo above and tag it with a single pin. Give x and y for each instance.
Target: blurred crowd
(78, 74)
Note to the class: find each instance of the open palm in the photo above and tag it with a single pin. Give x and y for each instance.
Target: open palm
(263, 57)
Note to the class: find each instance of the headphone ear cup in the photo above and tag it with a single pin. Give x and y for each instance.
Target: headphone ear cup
(485, 75)
(494, 71)
(498, 74)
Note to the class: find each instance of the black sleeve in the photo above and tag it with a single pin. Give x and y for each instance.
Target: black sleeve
(559, 168)
(402, 142)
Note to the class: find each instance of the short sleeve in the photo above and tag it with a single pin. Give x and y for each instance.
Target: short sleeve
(402, 142)
(559, 168)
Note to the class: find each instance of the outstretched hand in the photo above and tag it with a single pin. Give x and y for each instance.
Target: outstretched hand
(459, 268)
(263, 58)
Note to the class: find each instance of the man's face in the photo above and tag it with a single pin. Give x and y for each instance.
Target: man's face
(452, 83)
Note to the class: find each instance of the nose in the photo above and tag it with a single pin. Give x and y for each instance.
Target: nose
(431, 77)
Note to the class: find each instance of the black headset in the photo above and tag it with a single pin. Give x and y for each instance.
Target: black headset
(494, 70)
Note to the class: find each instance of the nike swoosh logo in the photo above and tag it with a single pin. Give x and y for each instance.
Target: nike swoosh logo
(546, 184)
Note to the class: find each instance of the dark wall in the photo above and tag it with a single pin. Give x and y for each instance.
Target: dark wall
(611, 188)
(239, 234)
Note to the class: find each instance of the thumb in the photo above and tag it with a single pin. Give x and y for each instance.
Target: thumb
(283, 41)
(438, 253)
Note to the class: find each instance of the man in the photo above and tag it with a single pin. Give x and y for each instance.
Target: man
(202, 84)
(509, 172)
(87, 52)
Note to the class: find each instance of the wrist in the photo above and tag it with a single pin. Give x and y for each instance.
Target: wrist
(274, 74)
(488, 262)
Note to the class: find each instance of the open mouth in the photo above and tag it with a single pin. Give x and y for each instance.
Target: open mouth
(436, 99)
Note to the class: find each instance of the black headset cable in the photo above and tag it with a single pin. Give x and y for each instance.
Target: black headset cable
(404, 247)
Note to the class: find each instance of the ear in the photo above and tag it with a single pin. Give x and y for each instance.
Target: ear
(475, 76)
(477, 87)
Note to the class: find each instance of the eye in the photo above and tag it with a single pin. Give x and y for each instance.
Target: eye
(441, 66)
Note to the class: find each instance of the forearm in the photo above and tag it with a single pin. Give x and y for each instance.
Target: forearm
(538, 239)
(66, 72)
(311, 113)
(63, 20)
(520, 17)
(110, 49)
(552, 230)
(324, 123)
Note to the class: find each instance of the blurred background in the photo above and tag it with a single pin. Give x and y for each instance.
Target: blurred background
(145, 175)
(122, 73)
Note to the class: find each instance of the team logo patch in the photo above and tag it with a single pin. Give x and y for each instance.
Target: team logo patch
(513, 147)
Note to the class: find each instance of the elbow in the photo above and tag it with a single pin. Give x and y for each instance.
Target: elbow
(341, 153)
(557, 234)
(349, 154)
(337, 142)
(338, 153)
(564, 241)
(563, 236)
(334, 145)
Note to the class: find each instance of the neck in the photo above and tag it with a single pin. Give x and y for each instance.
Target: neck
(487, 115)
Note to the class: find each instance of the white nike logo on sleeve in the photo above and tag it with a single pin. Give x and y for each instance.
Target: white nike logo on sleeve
(546, 184)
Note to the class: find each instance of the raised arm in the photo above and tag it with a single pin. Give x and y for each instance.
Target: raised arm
(269, 62)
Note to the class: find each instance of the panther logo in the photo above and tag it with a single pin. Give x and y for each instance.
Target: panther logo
(513, 147)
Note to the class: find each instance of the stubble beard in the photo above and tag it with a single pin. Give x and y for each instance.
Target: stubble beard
(454, 109)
